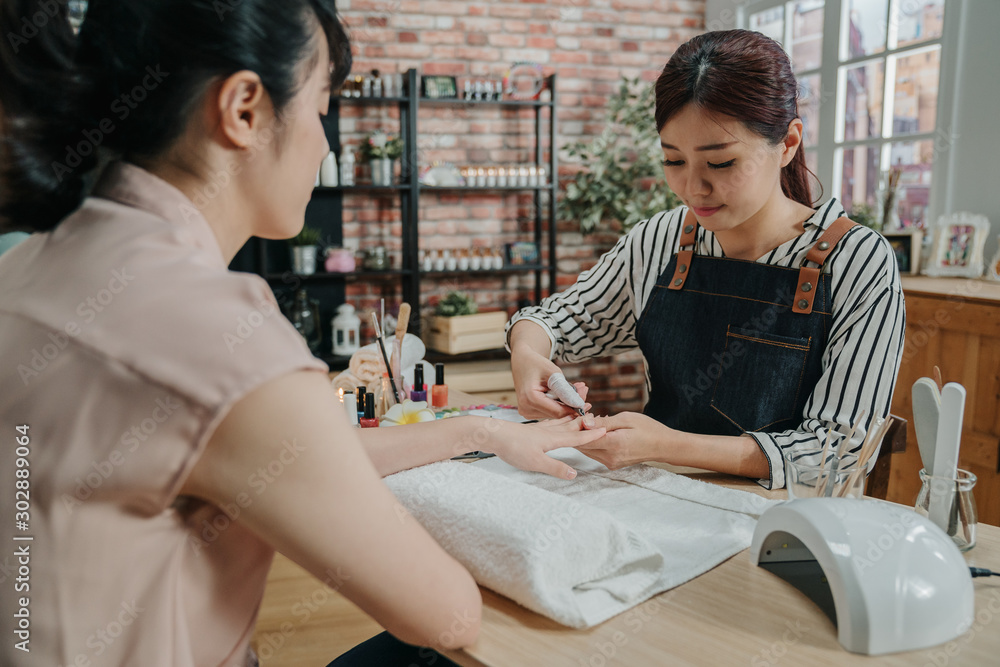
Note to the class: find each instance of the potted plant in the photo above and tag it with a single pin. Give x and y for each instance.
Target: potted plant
(622, 172)
(458, 327)
(304, 251)
(381, 150)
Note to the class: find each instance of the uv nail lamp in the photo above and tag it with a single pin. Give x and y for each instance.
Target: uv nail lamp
(888, 578)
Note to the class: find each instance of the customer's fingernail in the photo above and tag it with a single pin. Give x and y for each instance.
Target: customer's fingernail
(589, 422)
(571, 474)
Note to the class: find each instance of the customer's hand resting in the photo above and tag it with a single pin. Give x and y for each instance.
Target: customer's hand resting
(630, 438)
(531, 373)
(524, 445)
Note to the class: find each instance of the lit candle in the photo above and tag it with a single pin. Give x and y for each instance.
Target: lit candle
(491, 177)
(481, 177)
(533, 176)
(502, 177)
(340, 394)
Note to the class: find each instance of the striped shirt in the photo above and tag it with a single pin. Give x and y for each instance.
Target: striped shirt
(597, 317)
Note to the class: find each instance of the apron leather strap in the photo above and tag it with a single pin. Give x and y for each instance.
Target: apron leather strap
(808, 281)
(685, 251)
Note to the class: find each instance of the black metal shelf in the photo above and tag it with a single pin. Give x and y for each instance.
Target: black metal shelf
(324, 277)
(270, 258)
(335, 362)
(513, 268)
(486, 188)
(371, 99)
(361, 187)
(484, 103)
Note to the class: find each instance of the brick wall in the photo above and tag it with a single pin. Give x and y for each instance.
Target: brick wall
(590, 45)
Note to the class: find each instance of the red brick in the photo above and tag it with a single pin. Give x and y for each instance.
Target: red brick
(408, 37)
(476, 39)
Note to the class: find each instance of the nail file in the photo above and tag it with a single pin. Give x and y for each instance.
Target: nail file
(926, 410)
(565, 392)
(949, 438)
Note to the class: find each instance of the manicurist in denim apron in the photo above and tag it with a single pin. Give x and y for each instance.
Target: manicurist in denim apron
(765, 323)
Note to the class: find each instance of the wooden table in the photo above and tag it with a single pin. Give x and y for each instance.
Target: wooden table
(737, 613)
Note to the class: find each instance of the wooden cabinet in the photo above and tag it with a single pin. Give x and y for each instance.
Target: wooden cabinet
(953, 323)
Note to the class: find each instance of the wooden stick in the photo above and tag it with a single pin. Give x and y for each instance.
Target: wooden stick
(871, 444)
(822, 458)
(937, 378)
(402, 323)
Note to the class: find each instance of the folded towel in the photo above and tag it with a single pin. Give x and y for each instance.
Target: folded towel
(592, 567)
(578, 551)
(366, 364)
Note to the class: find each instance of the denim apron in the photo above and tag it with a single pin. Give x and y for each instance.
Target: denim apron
(734, 346)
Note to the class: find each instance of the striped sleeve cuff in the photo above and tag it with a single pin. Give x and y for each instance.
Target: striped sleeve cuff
(520, 315)
(775, 462)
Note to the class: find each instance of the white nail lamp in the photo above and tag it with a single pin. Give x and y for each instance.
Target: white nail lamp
(897, 581)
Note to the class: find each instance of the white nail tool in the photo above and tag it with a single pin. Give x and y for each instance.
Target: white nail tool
(949, 438)
(565, 392)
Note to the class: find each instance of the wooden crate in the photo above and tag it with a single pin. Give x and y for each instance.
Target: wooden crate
(467, 333)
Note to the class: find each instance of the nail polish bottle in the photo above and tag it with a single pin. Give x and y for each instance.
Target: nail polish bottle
(369, 420)
(439, 392)
(351, 405)
(362, 390)
(419, 391)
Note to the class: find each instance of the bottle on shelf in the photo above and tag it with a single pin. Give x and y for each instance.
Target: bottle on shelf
(305, 319)
(328, 171)
(476, 261)
(347, 167)
(369, 420)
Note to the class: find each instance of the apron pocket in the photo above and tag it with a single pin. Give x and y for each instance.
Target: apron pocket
(760, 379)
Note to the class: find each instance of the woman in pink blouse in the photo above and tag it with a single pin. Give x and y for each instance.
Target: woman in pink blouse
(163, 465)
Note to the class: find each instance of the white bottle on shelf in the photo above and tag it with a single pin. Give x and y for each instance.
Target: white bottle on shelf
(328, 171)
(347, 167)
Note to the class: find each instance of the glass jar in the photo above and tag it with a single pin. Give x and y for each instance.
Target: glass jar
(949, 503)
(305, 318)
(376, 259)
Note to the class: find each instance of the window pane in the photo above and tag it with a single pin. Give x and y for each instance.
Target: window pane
(807, 34)
(859, 178)
(866, 27)
(915, 104)
(919, 20)
(770, 22)
(863, 100)
(915, 158)
(809, 100)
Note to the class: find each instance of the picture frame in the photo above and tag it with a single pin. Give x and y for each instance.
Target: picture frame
(438, 87)
(993, 268)
(957, 248)
(906, 246)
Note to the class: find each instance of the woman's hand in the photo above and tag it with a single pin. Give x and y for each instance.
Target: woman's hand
(531, 373)
(630, 438)
(524, 445)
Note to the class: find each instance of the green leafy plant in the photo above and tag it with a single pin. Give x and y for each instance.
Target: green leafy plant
(864, 214)
(456, 303)
(379, 145)
(308, 236)
(623, 171)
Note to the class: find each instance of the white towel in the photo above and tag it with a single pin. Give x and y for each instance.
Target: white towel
(578, 551)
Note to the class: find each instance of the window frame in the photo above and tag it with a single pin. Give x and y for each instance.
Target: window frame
(829, 151)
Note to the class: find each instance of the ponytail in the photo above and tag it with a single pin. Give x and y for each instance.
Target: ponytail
(127, 85)
(795, 179)
(42, 96)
